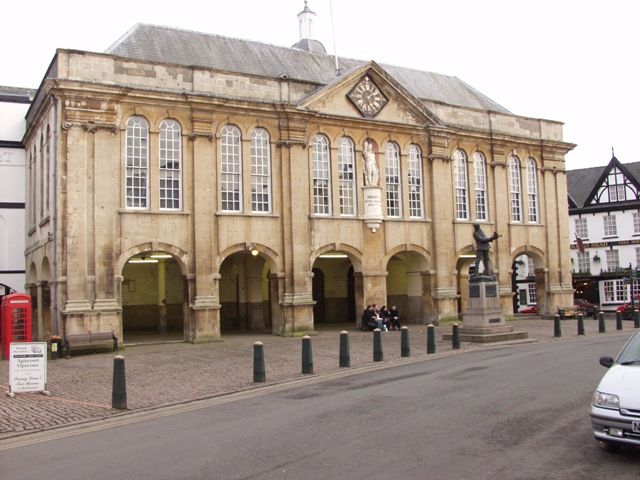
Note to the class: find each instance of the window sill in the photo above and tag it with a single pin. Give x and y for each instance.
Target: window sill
(140, 211)
(610, 237)
(247, 215)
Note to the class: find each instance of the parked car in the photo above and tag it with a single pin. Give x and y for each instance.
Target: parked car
(531, 309)
(615, 408)
(627, 311)
(585, 307)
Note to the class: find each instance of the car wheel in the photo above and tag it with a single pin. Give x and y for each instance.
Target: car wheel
(610, 446)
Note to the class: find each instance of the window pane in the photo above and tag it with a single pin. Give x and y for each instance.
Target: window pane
(137, 161)
(231, 169)
(392, 175)
(347, 178)
(515, 189)
(415, 182)
(460, 181)
(480, 185)
(170, 165)
(260, 171)
(321, 176)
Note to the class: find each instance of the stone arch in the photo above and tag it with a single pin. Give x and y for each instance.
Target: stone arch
(354, 254)
(248, 288)
(336, 283)
(529, 287)
(181, 256)
(270, 255)
(409, 283)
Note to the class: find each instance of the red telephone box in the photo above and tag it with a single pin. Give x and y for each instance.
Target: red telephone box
(15, 320)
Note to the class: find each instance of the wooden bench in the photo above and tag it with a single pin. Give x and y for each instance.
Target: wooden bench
(90, 340)
(566, 313)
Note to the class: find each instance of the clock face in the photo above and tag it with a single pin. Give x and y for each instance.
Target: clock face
(367, 97)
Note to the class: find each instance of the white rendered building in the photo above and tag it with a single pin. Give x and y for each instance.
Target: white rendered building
(604, 219)
(14, 103)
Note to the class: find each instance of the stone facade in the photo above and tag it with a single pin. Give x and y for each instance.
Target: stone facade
(280, 268)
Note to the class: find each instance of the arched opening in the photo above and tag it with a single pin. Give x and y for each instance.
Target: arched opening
(333, 289)
(245, 293)
(528, 284)
(408, 287)
(465, 268)
(152, 297)
(44, 323)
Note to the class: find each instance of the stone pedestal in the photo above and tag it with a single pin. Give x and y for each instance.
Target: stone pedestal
(483, 319)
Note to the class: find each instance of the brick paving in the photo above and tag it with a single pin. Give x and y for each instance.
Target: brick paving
(171, 373)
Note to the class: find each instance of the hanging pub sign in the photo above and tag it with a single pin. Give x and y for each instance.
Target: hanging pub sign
(27, 368)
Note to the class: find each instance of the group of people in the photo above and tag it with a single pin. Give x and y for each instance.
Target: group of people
(385, 319)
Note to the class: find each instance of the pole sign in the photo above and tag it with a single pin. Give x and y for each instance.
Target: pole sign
(27, 367)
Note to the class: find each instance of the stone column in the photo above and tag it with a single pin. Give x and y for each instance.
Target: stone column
(297, 301)
(162, 296)
(445, 291)
(107, 187)
(74, 212)
(205, 307)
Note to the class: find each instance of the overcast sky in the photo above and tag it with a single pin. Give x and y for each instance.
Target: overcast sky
(575, 62)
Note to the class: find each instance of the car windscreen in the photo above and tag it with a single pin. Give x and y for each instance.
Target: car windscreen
(630, 354)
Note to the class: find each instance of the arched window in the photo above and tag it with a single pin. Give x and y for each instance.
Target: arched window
(347, 176)
(461, 184)
(392, 177)
(137, 163)
(515, 189)
(532, 190)
(480, 185)
(230, 169)
(415, 181)
(260, 171)
(321, 176)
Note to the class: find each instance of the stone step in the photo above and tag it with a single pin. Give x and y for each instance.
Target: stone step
(489, 338)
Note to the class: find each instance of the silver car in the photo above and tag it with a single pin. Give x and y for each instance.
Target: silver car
(615, 408)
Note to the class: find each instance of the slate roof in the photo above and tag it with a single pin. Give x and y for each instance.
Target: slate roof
(581, 182)
(16, 94)
(185, 47)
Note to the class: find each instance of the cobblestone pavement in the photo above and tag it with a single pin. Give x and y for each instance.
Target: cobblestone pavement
(172, 373)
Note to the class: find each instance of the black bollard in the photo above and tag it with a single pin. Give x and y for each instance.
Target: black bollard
(345, 357)
(377, 346)
(455, 337)
(405, 348)
(580, 324)
(557, 329)
(431, 339)
(259, 374)
(636, 319)
(307, 355)
(618, 320)
(601, 326)
(119, 390)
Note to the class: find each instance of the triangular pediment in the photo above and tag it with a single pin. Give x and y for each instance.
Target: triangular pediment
(369, 92)
(615, 185)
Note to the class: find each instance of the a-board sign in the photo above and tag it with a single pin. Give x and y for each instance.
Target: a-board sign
(27, 367)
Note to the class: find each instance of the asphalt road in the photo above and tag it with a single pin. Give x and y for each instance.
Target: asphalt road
(509, 413)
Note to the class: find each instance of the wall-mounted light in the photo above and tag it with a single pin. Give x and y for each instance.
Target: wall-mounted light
(467, 255)
(160, 255)
(252, 248)
(334, 255)
(143, 260)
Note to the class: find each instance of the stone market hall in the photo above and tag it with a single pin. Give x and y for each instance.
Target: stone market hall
(194, 184)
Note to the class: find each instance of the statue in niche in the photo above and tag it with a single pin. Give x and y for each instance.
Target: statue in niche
(370, 167)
